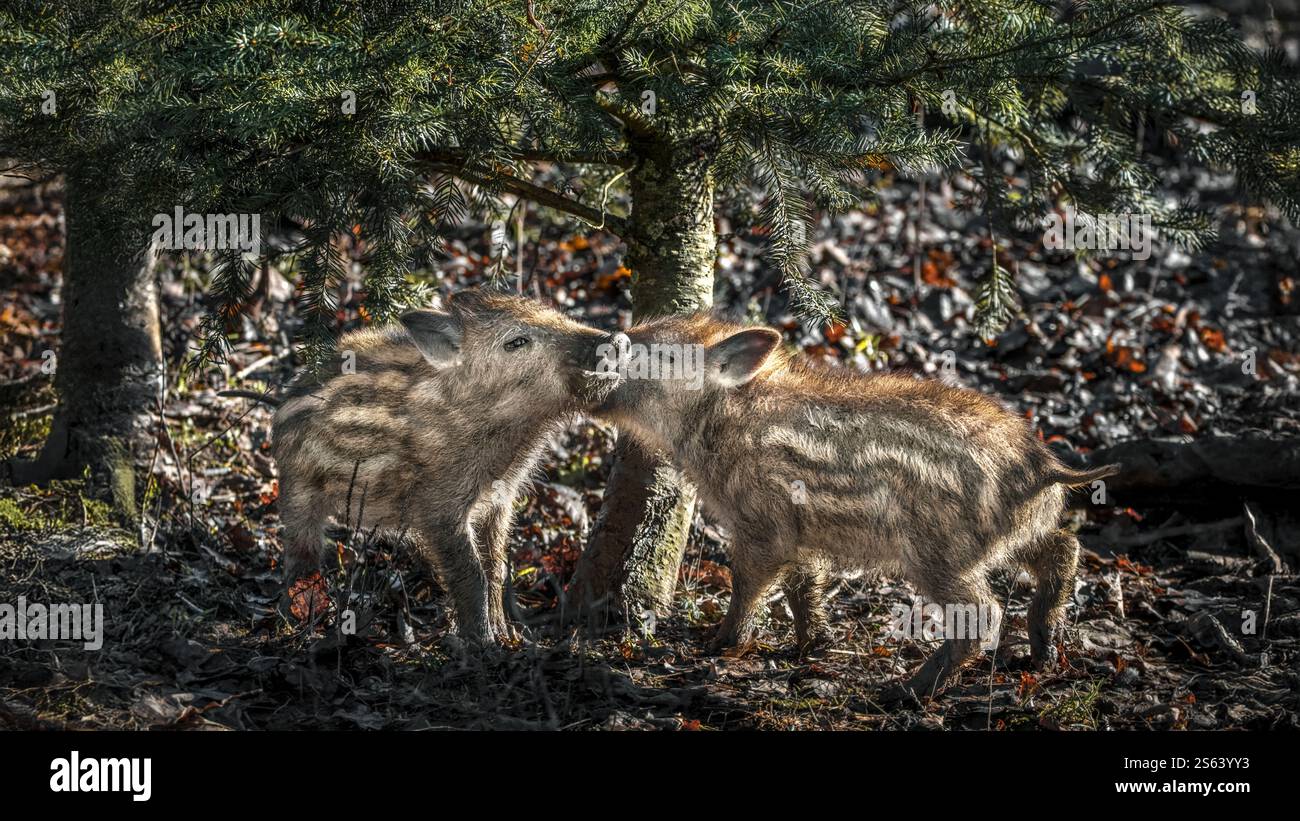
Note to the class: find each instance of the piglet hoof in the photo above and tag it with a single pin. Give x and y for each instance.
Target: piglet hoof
(900, 694)
(1043, 654)
(931, 679)
(816, 644)
(1045, 658)
(725, 641)
(472, 652)
(466, 656)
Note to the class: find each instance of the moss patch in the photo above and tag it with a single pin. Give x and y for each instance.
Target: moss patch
(61, 505)
(24, 433)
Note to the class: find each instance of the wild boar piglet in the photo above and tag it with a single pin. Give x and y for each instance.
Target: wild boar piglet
(428, 428)
(810, 466)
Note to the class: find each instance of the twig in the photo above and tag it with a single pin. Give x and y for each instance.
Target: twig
(536, 193)
(532, 18)
(147, 544)
(993, 659)
(519, 250)
(1261, 546)
(41, 411)
(1268, 606)
(266, 360)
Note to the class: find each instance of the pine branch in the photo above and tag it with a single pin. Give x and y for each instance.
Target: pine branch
(613, 43)
(1068, 34)
(995, 301)
(457, 157)
(537, 194)
(630, 116)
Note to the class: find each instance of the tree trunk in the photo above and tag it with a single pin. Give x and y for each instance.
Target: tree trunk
(631, 559)
(109, 370)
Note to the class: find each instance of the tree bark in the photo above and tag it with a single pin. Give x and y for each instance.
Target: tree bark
(631, 559)
(109, 370)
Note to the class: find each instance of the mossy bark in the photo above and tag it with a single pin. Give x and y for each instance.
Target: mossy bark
(631, 560)
(109, 369)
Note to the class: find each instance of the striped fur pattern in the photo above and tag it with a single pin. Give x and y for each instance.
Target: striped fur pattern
(431, 434)
(812, 467)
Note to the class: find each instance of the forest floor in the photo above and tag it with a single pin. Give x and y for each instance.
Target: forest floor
(1186, 612)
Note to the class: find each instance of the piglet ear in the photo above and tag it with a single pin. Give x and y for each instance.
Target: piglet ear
(736, 359)
(437, 335)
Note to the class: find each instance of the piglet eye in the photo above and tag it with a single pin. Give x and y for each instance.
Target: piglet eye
(516, 343)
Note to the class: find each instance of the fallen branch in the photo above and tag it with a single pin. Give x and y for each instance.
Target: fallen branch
(1254, 459)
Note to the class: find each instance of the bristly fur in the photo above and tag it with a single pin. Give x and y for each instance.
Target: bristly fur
(438, 447)
(810, 465)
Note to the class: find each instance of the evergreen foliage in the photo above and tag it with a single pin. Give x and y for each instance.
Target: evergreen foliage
(462, 105)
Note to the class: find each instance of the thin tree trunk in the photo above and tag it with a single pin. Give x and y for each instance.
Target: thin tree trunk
(109, 368)
(631, 559)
